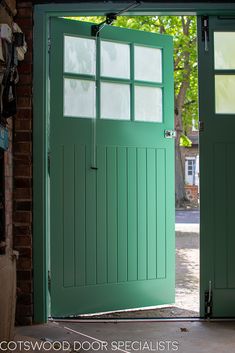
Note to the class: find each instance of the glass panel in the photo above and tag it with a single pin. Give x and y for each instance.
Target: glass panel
(148, 104)
(224, 94)
(79, 98)
(148, 64)
(224, 47)
(115, 60)
(115, 101)
(79, 55)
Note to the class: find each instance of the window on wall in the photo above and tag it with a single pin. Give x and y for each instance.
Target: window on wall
(191, 172)
(112, 80)
(191, 166)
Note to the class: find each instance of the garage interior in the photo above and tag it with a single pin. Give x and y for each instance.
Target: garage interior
(28, 222)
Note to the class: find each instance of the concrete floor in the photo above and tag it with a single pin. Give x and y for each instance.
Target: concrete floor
(183, 337)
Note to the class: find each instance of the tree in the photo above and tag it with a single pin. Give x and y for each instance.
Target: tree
(184, 32)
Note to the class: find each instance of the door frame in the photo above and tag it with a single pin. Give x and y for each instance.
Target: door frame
(41, 74)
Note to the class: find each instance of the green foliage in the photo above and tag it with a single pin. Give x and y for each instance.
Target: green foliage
(185, 141)
(184, 31)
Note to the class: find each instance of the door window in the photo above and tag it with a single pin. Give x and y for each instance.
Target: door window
(112, 80)
(224, 65)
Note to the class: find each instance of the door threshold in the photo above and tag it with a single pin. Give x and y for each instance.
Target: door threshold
(186, 319)
(179, 319)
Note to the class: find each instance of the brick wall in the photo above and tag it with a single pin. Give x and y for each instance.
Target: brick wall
(22, 159)
(192, 194)
(8, 171)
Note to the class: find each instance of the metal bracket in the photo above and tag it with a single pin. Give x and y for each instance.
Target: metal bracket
(110, 17)
(95, 29)
(205, 31)
(201, 126)
(208, 302)
(170, 134)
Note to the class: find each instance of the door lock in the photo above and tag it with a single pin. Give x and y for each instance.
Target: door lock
(170, 134)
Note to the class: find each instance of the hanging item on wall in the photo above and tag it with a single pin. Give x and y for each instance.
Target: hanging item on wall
(13, 48)
(3, 137)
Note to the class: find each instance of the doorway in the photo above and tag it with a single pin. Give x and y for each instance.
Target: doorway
(133, 231)
(205, 285)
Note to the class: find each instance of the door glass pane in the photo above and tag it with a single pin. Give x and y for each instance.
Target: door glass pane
(224, 94)
(115, 101)
(79, 98)
(148, 104)
(224, 44)
(79, 55)
(148, 64)
(115, 60)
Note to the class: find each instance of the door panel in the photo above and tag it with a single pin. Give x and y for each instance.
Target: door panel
(217, 149)
(112, 228)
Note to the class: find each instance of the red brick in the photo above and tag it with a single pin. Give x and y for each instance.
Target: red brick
(23, 171)
(23, 206)
(22, 147)
(24, 102)
(22, 183)
(23, 194)
(24, 320)
(23, 240)
(23, 158)
(25, 79)
(22, 230)
(24, 298)
(25, 114)
(22, 136)
(24, 263)
(24, 12)
(23, 91)
(24, 310)
(23, 125)
(22, 217)
(21, 4)
(24, 287)
(24, 275)
(25, 68)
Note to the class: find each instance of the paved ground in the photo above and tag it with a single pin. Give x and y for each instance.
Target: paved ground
(187, 273)
(188, 216)
(183, 337)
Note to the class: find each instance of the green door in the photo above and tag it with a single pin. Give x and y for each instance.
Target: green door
(217, 168)
(111, 170)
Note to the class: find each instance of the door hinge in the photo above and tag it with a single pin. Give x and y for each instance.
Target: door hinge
(49, 279)
(205, 31)
(49, 162)
(49, 44)
(208, 302)
(201, 126)
(170, 134)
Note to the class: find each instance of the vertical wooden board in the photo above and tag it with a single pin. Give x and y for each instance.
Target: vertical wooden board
(142, 213)
(101, 216)
(111, 163)
(220, 214)
(231, 214)
(57, 214)
(68, 232)
(132, 215)
(151, 218)
(90, 221)
(161, 212)
(122, 213)
(80, 215)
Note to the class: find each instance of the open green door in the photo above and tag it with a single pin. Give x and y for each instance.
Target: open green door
(217, 168)
(111, 170)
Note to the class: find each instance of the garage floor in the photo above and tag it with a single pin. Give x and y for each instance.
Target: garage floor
(183, 337)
